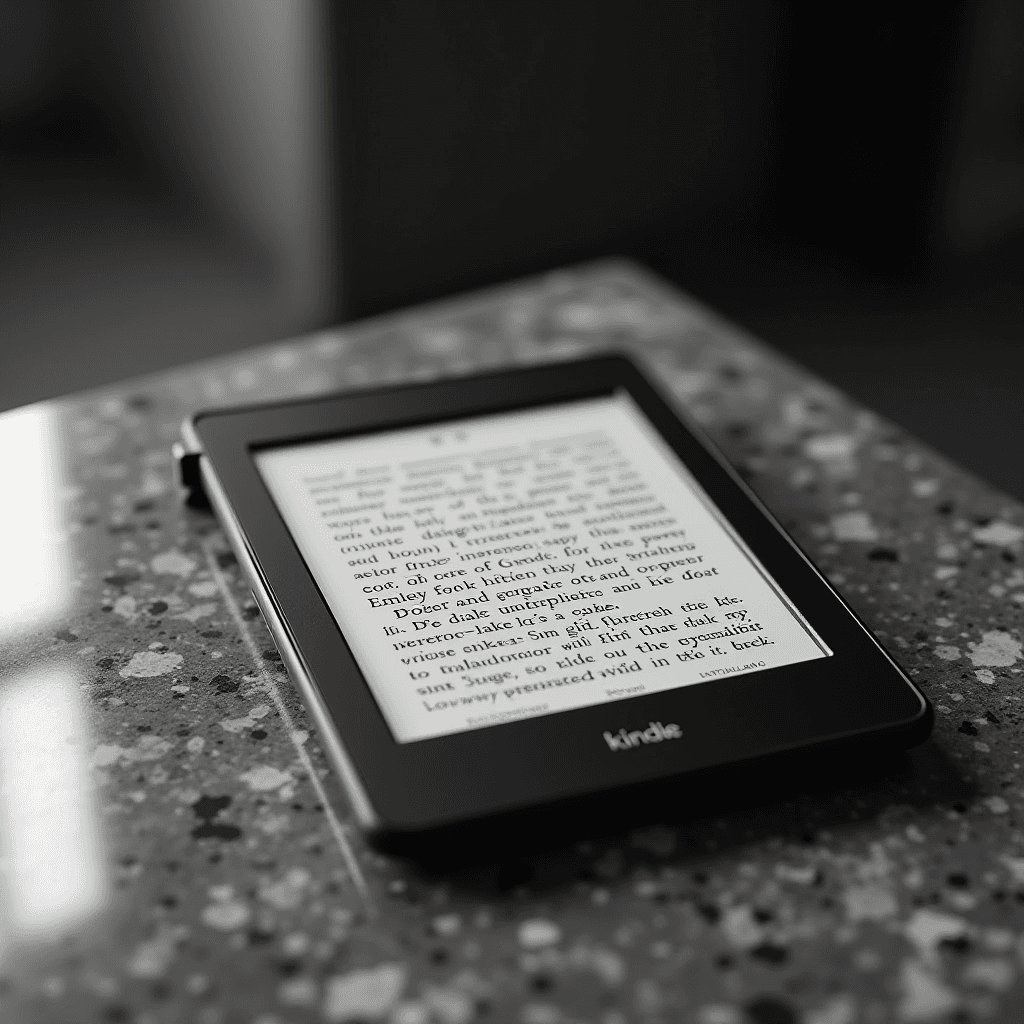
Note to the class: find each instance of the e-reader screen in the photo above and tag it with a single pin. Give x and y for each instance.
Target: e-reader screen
(525, 563)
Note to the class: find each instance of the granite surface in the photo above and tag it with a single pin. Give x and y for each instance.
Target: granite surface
(176, 849)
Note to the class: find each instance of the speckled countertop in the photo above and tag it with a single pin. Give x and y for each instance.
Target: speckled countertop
(175, 848)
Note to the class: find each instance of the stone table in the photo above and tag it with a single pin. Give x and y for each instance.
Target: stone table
(176, 849)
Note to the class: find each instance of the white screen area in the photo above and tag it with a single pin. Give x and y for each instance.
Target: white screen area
(526, 563)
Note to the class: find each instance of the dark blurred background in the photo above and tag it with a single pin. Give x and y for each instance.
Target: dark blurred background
(180, 180)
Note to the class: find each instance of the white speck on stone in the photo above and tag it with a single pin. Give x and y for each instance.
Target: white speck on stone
(541, 1013)
(297, 992)
(197, 984)
(273, 824)
(284, 359)
(125, 606)
(870, 902)
(985, 676)
(801, 477)
(719, 1013)
(831, 447)
(947, 550)
(999, 940)
(584, 316)
(199, 611)
(410, 1012)
(854, 526)
(450, 1006)
(962, 901)
(924, 488)
(287, 893)
(998, 533)
(206, 588)
(440, 340)
(147, 664)
(213, 388)
(195, 745)
(152, 486)
(996, 650)
(364, 995)
(914, 877)
(649, 996)
(1015, 865)
(841, 1009)
(152, 957)
(997, 805)
(925, 997)
(447, 925)
(538, 933)
(690, 383)
(993, 973)
(947, 652)
(247, 721)
(608, 966)
(946, 572)
(295, 943)
(172, 563)
(802, 875)
(330, 344)
(264, 778)
(53, 986)
(740, 928)
(927, 928)
(226, 915)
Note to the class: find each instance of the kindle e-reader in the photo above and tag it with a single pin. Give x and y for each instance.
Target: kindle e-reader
(531, 587)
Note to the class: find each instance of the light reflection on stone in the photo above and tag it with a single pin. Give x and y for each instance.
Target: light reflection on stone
(53, 868)
(33, 588)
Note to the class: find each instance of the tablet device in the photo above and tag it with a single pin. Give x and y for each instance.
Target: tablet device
(532, 587)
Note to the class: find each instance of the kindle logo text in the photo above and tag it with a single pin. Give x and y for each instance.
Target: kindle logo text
(654, 733)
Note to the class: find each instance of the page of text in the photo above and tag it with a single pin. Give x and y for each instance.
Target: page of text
(526, 563)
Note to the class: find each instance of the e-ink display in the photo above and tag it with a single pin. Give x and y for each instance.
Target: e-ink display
(520, 564)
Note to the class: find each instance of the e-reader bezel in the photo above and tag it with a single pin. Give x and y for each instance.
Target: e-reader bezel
(427, 783)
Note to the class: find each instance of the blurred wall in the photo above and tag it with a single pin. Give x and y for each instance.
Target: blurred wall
(30, 58)
(165, 185)
(230, 99)
(481, 139)
(984, 200)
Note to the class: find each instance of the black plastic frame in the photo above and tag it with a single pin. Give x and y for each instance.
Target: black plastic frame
(858, 692)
